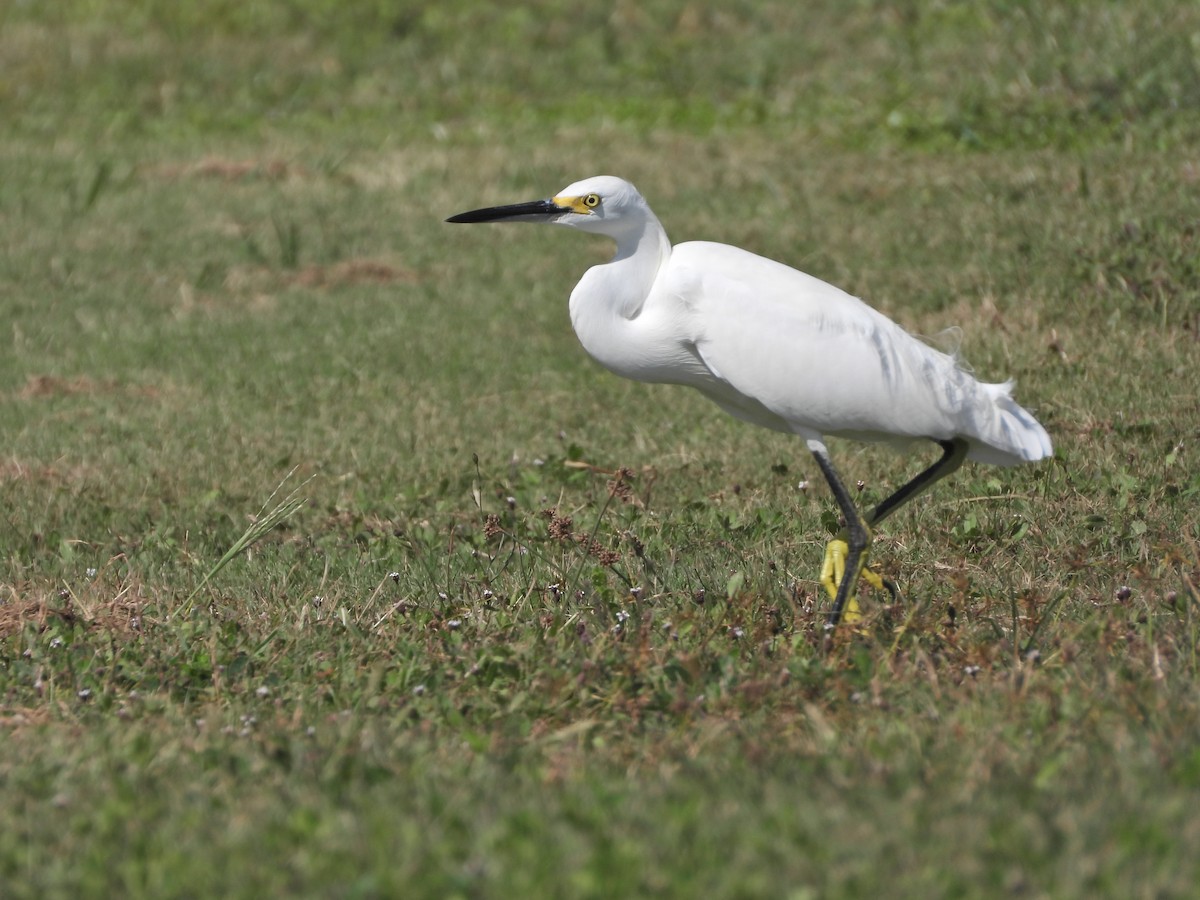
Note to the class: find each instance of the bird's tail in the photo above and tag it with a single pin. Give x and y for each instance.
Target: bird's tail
(1010, 435)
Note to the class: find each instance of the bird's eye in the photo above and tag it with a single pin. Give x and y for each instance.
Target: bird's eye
(591, 201)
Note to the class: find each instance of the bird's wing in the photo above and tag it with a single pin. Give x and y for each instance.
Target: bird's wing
(793, 349)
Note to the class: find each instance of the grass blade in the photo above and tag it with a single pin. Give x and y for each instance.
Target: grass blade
(264, 522)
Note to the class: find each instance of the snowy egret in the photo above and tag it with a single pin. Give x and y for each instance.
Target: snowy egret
(778, 348)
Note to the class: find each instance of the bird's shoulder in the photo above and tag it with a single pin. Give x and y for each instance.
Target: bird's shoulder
(714, 271)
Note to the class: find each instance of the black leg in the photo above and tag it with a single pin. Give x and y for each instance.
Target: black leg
(954, 452)
(858, 536)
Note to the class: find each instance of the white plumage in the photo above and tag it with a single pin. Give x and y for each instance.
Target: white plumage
(775, 347)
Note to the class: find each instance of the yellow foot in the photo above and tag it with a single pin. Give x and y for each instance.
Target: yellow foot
(833, 570)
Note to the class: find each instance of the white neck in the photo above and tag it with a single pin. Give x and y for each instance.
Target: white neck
(610, 295)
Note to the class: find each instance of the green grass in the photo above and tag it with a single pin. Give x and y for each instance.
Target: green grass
(223, 264)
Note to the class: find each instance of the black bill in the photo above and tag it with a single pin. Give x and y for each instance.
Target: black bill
(536, 210)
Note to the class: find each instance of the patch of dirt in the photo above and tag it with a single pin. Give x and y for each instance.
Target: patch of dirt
(259, 281)
(17, 718)
(103, 603)
(231, 169)
(353, 271)
(15, 470)
(55, 386)
(37, 386)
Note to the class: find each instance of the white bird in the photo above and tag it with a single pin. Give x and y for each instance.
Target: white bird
(778, 348)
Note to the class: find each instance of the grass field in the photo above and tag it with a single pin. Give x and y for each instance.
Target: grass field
(227, 289)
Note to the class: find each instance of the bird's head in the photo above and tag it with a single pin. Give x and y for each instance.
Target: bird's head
(602, 204)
